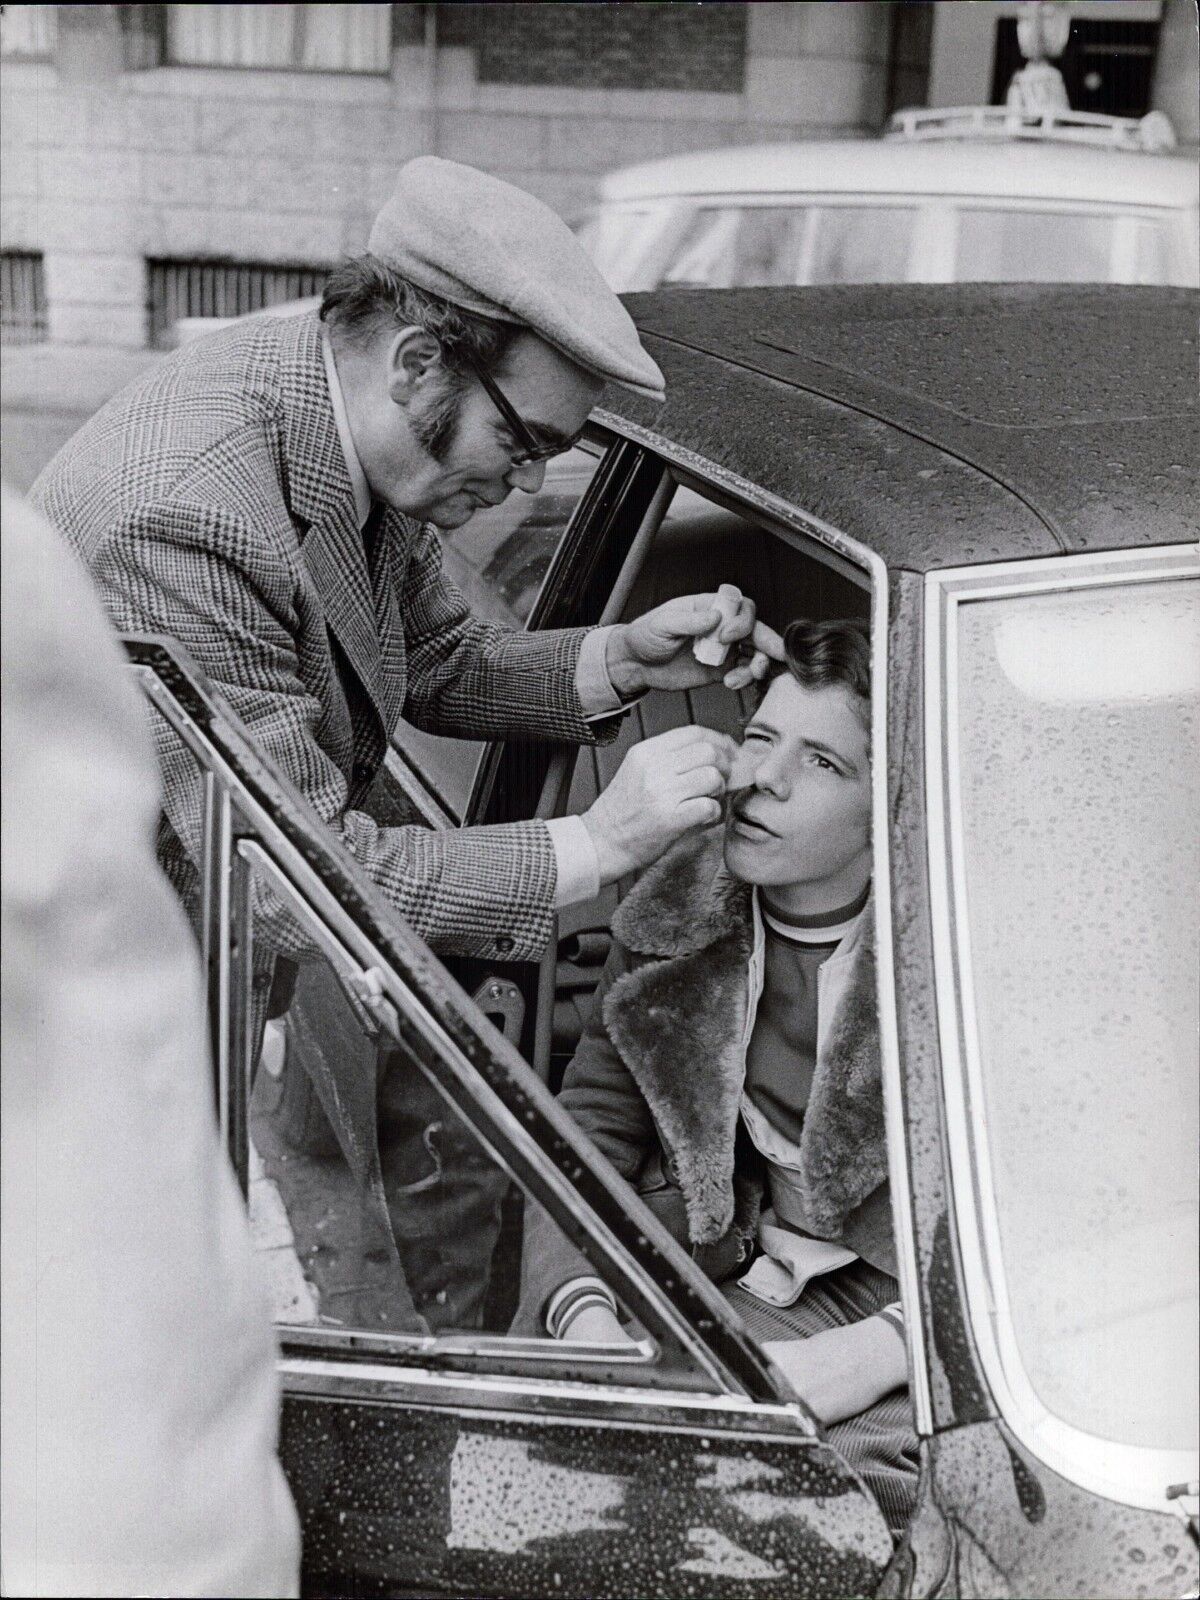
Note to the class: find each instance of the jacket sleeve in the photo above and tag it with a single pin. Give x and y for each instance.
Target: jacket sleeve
(201, 577)
(605, 1103)
(479, 680)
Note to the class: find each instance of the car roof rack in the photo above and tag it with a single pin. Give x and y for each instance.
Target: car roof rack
(1148, 133)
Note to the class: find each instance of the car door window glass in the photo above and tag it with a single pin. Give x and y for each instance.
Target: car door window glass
(374, 1207)
(1078, 763)
(499, 559)
(1015, 246)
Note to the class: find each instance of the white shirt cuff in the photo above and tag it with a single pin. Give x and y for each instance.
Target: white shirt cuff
(576, 860)
(592, 682)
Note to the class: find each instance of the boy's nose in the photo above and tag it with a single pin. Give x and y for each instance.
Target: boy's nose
(742, 773)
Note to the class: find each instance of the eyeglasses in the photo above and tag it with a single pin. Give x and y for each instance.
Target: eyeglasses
(530, 450)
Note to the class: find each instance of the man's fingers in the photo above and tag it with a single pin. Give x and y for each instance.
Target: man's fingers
(769, 642)
(704, 780)
(716, 751)
(688, 615)
(700, 813)
(691, 733)
(740, 624)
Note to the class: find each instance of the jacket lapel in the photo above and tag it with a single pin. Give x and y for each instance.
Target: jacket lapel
(322, 500)
(677, 1022)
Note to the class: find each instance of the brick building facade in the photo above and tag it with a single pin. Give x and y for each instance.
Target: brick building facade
(142, 134)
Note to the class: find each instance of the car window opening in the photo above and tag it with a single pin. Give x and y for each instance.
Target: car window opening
(417, 1230)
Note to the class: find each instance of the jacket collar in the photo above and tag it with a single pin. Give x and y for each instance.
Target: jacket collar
(321, 498)
(677, 1022)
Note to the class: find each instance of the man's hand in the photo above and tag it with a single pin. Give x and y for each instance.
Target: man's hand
(665, 787)
(655, 651)
(844, 1370)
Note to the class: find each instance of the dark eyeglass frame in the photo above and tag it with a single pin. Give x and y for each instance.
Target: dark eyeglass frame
(531, 451)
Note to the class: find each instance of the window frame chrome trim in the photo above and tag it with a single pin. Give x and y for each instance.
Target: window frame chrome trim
(1131, 1474)
(787, 517)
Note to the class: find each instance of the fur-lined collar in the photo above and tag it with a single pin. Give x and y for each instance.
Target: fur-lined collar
(677, 1019)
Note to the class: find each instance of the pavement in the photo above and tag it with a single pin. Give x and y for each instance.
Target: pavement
(47, 392)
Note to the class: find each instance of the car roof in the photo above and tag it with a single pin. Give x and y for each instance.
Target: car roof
(1013, 169)
(941, 425)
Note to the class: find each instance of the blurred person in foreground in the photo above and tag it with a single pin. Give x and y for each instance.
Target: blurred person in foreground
(139, 1398)
(731, 1068)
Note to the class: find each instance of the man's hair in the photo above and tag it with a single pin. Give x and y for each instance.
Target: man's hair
(363, 297)
(824, 655)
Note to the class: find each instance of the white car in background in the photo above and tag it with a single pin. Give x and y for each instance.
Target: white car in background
(974, 194)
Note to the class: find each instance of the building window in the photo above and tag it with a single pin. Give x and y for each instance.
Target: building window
(1107, 66)
(221, 291)
(590, 46)
(28, 33)
(22, 297)
(306, 38)
(909, 52)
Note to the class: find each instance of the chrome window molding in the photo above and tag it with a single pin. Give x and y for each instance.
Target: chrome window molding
(848, 556)
(1132, 1474)
(610, 1402)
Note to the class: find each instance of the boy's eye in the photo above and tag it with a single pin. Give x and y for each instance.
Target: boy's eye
(750, 736)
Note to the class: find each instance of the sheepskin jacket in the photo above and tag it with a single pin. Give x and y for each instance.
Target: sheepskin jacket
(658, 1077)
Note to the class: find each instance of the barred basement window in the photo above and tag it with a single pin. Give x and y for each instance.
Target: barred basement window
(22, 298)
(221, 290)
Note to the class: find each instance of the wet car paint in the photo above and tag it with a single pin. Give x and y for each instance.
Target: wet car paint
(946, 424)
(998, 1524)
(513, 1506)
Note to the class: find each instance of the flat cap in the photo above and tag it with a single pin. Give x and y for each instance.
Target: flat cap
(489, 247)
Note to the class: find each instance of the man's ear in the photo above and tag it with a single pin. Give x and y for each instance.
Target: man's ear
(414, 358)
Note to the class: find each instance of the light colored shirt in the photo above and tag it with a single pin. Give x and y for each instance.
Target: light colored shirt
(138, 1395)
(578, 868)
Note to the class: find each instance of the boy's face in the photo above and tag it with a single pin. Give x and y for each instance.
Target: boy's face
(800, 797)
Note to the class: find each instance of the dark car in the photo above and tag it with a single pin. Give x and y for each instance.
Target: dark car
(1003, 481)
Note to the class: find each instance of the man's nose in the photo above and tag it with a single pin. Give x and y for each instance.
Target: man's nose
(528, 478)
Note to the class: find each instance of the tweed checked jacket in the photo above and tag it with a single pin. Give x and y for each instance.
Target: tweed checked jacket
(212, 504)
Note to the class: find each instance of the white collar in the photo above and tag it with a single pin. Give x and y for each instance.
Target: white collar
(358, 478)
(832, 934)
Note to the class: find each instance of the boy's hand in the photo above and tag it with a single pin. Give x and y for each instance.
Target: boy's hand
(843, 1371)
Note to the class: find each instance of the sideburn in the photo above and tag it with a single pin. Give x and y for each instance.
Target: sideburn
(436, 427)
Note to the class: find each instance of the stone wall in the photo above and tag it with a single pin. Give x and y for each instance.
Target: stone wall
(104, 167)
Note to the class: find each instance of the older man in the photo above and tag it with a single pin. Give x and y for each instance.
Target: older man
(271, 496)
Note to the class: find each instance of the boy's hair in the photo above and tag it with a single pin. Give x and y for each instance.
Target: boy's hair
(823, 655)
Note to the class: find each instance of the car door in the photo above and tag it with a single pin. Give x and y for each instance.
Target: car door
(1044, 967)
(428, 1458)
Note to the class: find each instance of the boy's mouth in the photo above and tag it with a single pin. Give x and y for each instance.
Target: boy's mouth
(741, 816)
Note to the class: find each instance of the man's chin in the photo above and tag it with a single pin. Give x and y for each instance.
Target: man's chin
(451, 514)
